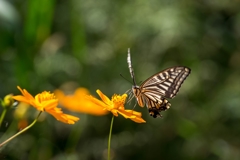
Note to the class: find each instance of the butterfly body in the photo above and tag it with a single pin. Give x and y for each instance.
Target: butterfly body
(154, 91)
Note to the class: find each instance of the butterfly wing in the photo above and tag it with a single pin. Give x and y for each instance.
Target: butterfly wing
(165, 83)
(154, 102)
(154, 91)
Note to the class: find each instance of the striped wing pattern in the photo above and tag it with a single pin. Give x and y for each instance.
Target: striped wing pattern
(165, 83)
(162, 85)
(154, 91)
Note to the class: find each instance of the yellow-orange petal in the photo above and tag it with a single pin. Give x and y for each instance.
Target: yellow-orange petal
(138, 120)
(81, 102)
(59, 94)
(104, 98)
(96, 101)
(80, 92)
(70, 119)
(125, 114)
(25, 93)
(133, 115)
(65, 118)
(114, 112)
(21, 98)
(50, 104)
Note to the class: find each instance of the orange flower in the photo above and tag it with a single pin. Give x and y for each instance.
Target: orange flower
(116, 105)
(45, 101)
(78, 102)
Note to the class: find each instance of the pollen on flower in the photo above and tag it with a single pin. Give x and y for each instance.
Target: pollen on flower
(119, 100)
(45, 96)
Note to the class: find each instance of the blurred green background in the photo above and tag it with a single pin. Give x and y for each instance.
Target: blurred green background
(50, 44)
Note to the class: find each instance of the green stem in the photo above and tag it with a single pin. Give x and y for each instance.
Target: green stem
(9, 139)
(109, 138)
(2, 116)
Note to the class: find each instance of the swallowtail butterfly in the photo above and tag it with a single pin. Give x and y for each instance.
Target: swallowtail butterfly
(154, 91)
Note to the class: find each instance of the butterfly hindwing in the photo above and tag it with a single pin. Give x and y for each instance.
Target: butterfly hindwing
(154, 102)
(154, 108)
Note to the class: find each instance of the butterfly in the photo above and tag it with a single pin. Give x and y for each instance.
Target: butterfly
(154, 91)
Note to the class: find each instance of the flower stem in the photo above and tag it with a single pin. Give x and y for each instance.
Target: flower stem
(109, 138)
(3, 115)
(9, 139)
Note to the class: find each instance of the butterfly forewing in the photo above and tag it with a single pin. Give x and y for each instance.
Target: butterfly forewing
(167, 82)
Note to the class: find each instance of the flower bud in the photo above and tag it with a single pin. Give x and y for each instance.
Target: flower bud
(8, 101)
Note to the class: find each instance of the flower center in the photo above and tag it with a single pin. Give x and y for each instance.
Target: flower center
(45, 96)
(119, 101)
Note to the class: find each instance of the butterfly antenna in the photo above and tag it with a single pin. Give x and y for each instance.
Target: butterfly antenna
(125, 79)
(130, 66)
